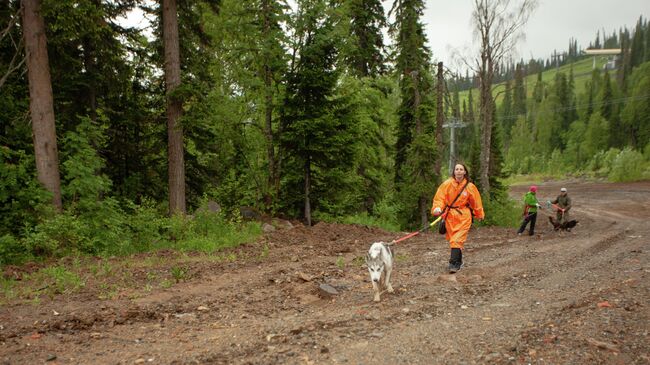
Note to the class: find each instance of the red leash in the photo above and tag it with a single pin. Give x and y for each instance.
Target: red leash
(417, 232)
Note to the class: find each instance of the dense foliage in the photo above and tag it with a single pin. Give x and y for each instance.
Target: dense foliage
(297, 111)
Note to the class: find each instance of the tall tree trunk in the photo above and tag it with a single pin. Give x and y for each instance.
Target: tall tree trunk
(268, 115)
(268, 132)
(90, 64)
(486, 133)
(440, 120)
(176, 170)
(419, 130)
(40, 101)
(307, 191)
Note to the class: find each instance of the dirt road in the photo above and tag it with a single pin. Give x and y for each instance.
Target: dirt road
(554, 298)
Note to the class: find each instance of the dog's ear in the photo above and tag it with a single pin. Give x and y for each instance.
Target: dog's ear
(367, 257)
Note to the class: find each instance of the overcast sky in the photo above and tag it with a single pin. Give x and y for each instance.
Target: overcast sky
(448, 25)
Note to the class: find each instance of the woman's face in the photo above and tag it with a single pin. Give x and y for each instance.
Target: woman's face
(459, 172)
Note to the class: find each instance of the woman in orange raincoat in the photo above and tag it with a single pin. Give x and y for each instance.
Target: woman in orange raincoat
(457, 214)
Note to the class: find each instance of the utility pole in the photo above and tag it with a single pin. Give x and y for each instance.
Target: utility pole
(452, 125)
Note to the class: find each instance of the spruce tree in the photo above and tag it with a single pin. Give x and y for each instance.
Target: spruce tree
(572, 112)
(646, 58)
(506, 112)
(605, 100)
(498, 190)
(635, 115)
(364, 48)
(538, 91)
(411, 56)
(519, 92)
(415, 173)
(318, 136)
(637, 46)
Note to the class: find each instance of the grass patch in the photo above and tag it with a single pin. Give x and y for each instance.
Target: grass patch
(265, 252)
(364, 219)
(209, 232)
(56, 280)
(178, 273)
(401, 258)
(340, 262)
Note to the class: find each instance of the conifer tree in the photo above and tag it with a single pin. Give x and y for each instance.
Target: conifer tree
(318, 134)
(364, 48)
(519, 148)
(647, 42)
(519, 92)
(412, 57)
(624, 65)
(637, 46)
(507, 108)
(538, 91)
(596, 134)
(470, 107)
(415, 159)
(605, 99)
(572, 112)
(497, 173)
(635, 115)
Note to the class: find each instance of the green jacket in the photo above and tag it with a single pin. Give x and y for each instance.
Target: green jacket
(530, 201)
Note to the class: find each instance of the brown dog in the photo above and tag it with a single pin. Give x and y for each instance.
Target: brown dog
(566, 226)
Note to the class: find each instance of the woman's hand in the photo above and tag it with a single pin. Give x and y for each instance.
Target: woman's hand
(437, 211)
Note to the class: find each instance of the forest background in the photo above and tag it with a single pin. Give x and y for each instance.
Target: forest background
(240, 109)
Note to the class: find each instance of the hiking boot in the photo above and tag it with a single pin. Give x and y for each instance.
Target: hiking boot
(455, 261)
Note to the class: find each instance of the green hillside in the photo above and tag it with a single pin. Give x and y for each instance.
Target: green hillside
(581, 73)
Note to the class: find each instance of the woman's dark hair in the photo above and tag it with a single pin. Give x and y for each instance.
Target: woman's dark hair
(466, 170)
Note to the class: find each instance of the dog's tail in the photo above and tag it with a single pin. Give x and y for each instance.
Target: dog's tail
(388, 244)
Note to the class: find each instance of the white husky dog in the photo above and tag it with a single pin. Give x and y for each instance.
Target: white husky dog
(380, 264)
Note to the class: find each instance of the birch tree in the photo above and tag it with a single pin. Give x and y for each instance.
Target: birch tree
(498, 26)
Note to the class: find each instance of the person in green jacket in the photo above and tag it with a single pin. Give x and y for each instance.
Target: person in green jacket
(530, 211)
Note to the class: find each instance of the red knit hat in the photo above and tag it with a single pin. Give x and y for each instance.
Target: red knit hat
(533, 189)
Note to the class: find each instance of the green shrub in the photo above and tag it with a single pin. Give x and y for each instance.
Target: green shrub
(147, 227)
(646, 152)
(602, 162)
(58, 280)
(385, 217)
(22, 200)
(12, 251)
(504, 212)
(555, 165)
(628, 165)
(209, 232)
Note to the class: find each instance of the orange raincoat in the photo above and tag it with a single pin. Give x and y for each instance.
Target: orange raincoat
(458, 219)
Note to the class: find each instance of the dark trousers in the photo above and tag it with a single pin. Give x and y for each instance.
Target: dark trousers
(532, 218)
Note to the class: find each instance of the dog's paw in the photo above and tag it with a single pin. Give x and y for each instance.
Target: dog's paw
(376, 298)
(390, 289)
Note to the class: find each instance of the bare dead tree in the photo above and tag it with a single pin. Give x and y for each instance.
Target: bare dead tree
(498, 27)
